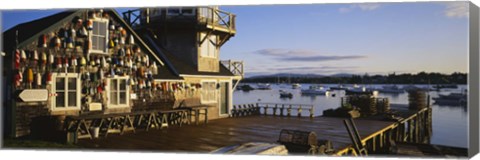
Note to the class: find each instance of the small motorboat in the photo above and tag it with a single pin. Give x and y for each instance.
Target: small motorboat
(285, 94)
(263, 86)
(296, 86)
(316, 90)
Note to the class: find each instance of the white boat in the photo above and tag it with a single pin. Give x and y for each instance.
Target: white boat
(357, 90)
(296, 85)
(265, 86)
(316, 90)
(391, 89)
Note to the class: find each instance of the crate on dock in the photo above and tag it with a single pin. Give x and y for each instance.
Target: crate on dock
(303, 142)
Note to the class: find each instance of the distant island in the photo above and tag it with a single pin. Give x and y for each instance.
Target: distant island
(405, 78)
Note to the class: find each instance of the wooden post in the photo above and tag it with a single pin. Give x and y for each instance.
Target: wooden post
(234, 111)
(299, 111)
(281, 110)
(265, 109)
(289, 111)
(275, 110)
(311, 112)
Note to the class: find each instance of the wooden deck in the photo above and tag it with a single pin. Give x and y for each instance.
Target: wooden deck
(229, 131)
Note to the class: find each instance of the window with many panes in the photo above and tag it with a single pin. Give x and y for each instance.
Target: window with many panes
(209, 92)
(99, 36)
(118, 93)
(208, 47)
(181, 11)
(66, 87)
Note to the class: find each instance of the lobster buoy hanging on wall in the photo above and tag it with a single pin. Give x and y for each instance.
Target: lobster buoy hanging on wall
(74, 62)
(18, 79)
(59, 62)
(154, 68)
(44, 58)
(131, 40)
(30, 76)
(83, 61)
(48, 77)
(51, 59)
(90, 24)
(42, 41)
(39, 79)
(17, 59)
(23, 56)
(83, 32)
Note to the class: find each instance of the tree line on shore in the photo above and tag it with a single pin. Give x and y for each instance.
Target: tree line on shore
(393, 78)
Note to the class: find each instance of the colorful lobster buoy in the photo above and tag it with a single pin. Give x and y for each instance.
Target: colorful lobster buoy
(90, 24)
(17, 59)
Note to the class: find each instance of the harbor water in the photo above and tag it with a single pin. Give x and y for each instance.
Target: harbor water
(449, 121)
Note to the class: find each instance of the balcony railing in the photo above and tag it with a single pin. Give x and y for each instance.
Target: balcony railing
(236, 67)
(210, 17)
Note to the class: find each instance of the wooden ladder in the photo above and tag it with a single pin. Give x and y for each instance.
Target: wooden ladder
(355, 137)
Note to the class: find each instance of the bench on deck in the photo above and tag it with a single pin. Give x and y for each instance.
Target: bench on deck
(195, 107)
(80, 125)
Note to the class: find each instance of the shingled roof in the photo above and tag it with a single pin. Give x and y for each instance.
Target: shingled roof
(25, 33)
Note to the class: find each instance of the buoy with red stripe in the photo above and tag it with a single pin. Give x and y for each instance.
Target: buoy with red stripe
(18, 79)
(17, 59)
(59, 62)
(43, 41)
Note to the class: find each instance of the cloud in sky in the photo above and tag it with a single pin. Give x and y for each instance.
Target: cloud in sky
(303, 55)
(362, 7)
(456, 9)
(283, 52)
(321, 58)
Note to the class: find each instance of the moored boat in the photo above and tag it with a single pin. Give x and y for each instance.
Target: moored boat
(264, 86)
(316, 90)
(391, 89)
(296, 85)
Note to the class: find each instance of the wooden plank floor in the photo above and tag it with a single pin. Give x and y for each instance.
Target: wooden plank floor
(229, 131)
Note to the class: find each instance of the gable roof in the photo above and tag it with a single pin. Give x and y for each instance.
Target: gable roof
(30, 31)
(177, 64)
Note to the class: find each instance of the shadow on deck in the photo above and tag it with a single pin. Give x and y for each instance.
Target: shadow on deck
(229, 131)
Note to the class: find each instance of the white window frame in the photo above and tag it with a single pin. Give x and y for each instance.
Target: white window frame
(180, 11)
(209, 44)
(109, 93)
(66, 76)
(90, 35)
(215, 96)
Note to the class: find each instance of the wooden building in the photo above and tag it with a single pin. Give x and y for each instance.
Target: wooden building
(93, 62)
(188, 40)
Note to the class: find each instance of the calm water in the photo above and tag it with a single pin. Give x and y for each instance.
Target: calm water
(449, 122)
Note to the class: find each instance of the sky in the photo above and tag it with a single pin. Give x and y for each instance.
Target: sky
(326, 39)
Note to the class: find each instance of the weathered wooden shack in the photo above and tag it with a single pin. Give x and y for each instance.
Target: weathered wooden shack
(92, 61)
(188, 40)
